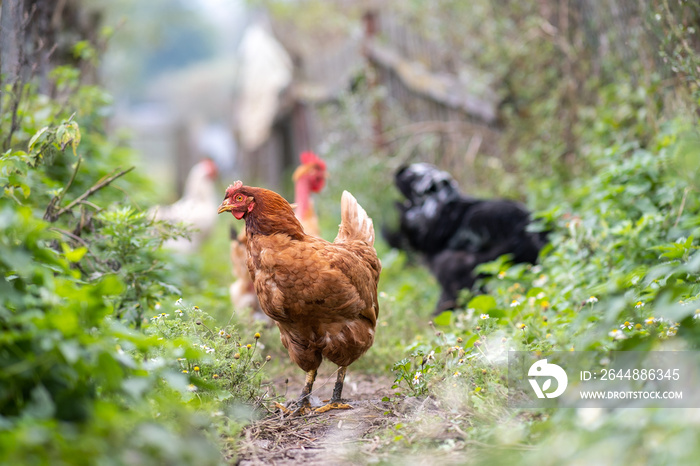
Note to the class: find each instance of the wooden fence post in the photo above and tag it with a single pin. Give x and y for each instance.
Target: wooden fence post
(371, 29)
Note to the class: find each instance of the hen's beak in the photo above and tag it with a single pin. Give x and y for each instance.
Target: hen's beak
(224, 207)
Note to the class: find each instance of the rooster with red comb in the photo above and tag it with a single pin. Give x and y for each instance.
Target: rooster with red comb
(309, 177)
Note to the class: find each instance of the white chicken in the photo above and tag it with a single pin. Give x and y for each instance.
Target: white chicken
(196, 207)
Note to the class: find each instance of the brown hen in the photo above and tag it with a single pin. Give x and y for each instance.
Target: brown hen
(309, 177)
(321, 295)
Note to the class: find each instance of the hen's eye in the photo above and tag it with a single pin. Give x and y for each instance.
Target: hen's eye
(239, 198)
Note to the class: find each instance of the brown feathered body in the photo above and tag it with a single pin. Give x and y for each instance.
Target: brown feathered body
(322, 295)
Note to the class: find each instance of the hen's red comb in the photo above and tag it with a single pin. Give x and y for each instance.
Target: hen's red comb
(233, 187)
(309, 158)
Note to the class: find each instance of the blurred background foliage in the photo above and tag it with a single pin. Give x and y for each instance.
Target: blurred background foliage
(106, 351)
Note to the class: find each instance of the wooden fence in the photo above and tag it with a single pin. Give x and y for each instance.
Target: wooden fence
(461, 107)
(433, 96)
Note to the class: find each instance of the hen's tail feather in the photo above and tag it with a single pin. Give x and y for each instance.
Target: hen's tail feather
(355, 224)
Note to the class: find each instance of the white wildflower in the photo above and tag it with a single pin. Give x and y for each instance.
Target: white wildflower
(416, 377)
(540, 281)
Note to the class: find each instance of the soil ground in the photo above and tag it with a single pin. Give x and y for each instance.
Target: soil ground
(332, 438)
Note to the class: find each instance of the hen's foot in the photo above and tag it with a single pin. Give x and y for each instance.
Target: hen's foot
(332, 405)
(294, 408)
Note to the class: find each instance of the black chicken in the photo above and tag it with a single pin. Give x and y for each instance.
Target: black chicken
(455, 232)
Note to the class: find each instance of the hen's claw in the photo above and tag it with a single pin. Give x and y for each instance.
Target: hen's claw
(332, 405)
(294, 409)
(286, 411)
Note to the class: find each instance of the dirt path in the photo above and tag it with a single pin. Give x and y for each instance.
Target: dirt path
(336, 437)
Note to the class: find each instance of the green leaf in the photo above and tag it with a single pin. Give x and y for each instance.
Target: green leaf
(111, 285)
(136, 386)
(470, 341)
(533, 292)
(70, 350)
(26, 190)
(36, 137)
(76, 254)
(444, 318)
(75, 133)
(482, 303)
(41, 405)
(177, 380)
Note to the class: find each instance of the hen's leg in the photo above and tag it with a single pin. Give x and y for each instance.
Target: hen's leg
(335, 402)
(303, 403)
(306, 391)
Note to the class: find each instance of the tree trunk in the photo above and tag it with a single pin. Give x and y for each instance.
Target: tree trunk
(10, 19)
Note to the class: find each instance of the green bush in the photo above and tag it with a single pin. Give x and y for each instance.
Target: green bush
(86, 374)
